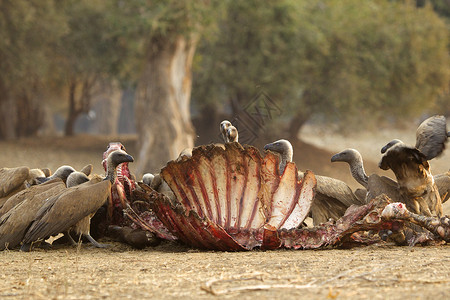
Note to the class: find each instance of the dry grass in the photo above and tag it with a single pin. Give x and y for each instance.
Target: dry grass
(173, 271)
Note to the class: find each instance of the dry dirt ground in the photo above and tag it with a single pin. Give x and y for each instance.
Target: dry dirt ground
(173, 271)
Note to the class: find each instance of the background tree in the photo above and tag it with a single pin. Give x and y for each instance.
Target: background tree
(88, 57)
(28, 30)
(344, 62)
(165, 36)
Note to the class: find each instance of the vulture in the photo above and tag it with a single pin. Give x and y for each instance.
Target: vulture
(223, 129)
(147, 178)
(412, 170)
(416, 184)
(14, 180)
(159, 185)
(22, 209)
(333, 196)
(61, 212)
(82, 228)
(86, 170)
(374, 184)
(62, 172)
(76, 178)
(443, 183)
(15, 199)
(232, 134)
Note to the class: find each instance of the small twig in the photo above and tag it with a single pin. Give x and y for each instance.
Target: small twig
(258, 287)
(208, 287)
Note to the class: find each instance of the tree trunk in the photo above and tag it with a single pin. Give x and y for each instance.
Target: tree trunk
(107, 108)
(78, 105)
(163, 117)
(301, 116)
(8, 116)
(73, 114)
(296, 124)
(21, 113)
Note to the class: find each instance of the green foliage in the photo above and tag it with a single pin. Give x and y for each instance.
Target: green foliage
(27, 31)
(340, 60)
(144, 26)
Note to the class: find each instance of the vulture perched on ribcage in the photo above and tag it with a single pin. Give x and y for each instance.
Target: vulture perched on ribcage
(333, 196)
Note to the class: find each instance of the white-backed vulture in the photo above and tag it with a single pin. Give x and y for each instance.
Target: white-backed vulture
(63, 211)
(415, 181)
(375, 185)
(20, 210)
(333, 196)
(62, 172)
(83, 227)
(25, 194)
(12, 181)
(232, 134)
(87, 170)
(378, 185)
(431, 137)
(223, 129)
(147, 178)
(159, 185)
(76, 178)
(443, 183)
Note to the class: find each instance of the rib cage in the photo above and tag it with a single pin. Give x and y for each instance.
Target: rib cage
(225, 197)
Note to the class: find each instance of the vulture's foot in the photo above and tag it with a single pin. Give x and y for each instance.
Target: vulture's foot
(95, 243)
(25, 247)
(40, 245)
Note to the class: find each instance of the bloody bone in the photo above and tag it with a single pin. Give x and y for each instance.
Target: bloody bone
(439, 226)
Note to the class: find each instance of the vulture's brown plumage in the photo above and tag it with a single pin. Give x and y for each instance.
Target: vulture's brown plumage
(62, 172)
(25, 194)
(410, 166)
(63, 211)
(415, 181)
(443, 183)
(24, 206)
(12, 181)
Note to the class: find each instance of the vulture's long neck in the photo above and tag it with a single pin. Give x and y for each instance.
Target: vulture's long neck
(358, 172)
(111, 172)
(286, 156)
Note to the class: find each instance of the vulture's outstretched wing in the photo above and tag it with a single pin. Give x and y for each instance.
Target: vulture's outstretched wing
(431, 136)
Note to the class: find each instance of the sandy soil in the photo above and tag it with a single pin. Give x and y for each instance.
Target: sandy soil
(173, 271)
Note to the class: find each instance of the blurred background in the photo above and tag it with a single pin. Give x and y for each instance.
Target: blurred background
(160, 76)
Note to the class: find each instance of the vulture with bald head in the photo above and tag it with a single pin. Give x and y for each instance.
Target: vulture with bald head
(374, 184)
(412, 170)
(61, 212)
(223, 129)
(333, 196)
